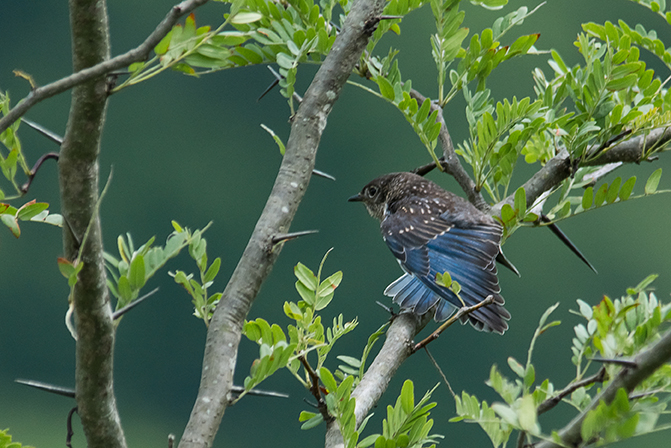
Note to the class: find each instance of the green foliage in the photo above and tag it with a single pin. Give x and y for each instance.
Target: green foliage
(614, 329)
(30, 211)
(6, 441)
(407, 424)
(130, 271)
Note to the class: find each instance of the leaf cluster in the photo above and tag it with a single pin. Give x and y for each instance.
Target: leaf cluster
(615, 329)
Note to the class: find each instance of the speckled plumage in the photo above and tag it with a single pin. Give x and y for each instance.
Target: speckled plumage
(431, 231)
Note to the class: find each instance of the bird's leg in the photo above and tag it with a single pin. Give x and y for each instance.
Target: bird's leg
(458, 315)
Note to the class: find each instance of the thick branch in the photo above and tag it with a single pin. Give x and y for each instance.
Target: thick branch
(628, 378)
(396, 349)
(259, 257)
(85, 74)
(450, 160)
(559, 167)
(78, 178)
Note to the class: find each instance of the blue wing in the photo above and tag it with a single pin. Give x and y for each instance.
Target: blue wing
(426, 247)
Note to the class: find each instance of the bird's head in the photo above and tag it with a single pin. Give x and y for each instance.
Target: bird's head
(378, 193)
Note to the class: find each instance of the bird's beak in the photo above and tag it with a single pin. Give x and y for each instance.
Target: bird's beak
(356, 198)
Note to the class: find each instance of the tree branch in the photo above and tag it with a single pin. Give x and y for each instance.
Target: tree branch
(396, 349)
(628, 378)
(559, 167)
(450, 160)
(84, 74)
(78, 179)
(224, 332)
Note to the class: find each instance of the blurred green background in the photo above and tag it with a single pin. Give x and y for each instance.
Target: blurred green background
(192, 150)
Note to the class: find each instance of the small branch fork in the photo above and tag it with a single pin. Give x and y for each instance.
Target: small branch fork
(463, 311)
(314, 389)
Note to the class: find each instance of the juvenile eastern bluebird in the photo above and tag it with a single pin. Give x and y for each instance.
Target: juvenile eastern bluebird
(432, 231)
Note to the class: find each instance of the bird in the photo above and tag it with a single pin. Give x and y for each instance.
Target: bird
(431, 231)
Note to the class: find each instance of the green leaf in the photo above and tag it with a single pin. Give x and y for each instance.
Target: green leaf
(212, 271)
(11, 222)
(386, 89)
(313, 422)
(627, 188)
(30, 210)
(246, 17)
(306, 276)
(520, 201)
(326, 377)
(407, 397)
(124, 289)
(137, 277)
(516, 367)
(653, 181)
(587, 198)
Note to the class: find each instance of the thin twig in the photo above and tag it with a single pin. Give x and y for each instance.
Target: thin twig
(138, 53)
(452, 164)
(68, 438)
(258, 392)
(440, 371)
(463, 311)
(51, 155)
(314, 389)
(550, 403)
(278, 78)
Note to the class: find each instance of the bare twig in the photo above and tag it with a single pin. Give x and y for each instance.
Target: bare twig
(618, 361)
(51, 155)
(85, 74)
(461, 312)
(451, 162)
(314, 389)
(224, 332)
(550, 403)
(68, 438)
(440, 371)
(282, 237)
(258, 392)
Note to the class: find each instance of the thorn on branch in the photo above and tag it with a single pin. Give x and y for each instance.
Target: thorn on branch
(171, 440)
(278, 78)
(46, 387)
(118, 313)
(620, 361)
(567, 242)
(237, 390)
(44, 131)
(282, 237)
(390, 17)
(323, 174)
(440, 371)
(463, 311)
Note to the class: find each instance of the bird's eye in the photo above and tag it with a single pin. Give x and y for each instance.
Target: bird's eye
(371, 192)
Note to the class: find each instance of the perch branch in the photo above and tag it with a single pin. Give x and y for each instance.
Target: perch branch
(225, 329)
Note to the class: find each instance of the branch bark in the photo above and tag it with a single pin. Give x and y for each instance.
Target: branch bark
(451, 162)
(78, 178)
(628, 378)
(559, 167)
(86, 73)
(396, 349)
(259, 257)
